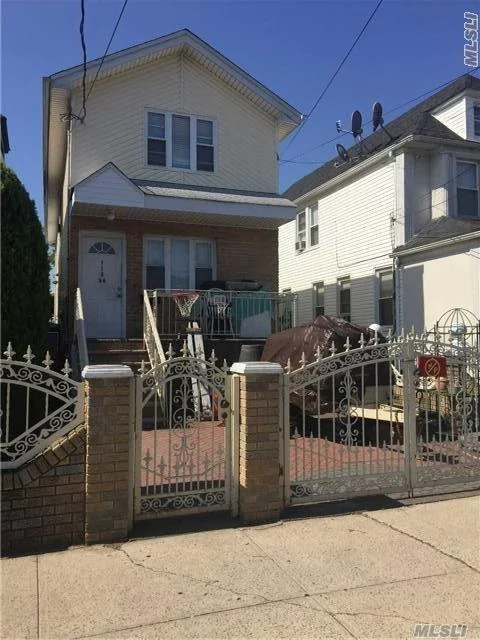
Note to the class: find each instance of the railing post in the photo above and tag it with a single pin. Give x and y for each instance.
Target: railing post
(409, 412)
(260, 469)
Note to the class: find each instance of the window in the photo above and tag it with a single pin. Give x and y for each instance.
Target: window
(344, 306)
(385, 297)
(313, 225)
(178, 263)
(301, 243)
(319, 299)
(180, 142)
(467, 189)
(205, 151)
(156, 142)
(476, 121)
(102, 247)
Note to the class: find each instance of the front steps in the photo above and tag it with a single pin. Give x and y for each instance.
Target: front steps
(130, 352)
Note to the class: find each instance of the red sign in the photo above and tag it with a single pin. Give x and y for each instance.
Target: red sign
(432, 366)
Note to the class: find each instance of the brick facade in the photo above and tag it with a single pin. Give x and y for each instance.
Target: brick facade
(43, 502)
(260, 495)
(109, 459)
(241, 254)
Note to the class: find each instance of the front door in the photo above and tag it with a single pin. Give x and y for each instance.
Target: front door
(101, 282)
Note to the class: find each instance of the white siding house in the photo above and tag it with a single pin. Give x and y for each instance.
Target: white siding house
(341, 254)
(166, 178)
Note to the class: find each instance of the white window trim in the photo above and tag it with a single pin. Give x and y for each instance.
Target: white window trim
(341, 280)
(378, 273)
(168, 141)
(314, 295)
(477, 165)
(168, 271)
(308, 228)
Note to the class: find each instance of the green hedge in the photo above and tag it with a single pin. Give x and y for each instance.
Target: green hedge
(25, 297)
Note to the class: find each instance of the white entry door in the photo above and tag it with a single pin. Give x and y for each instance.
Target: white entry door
(101, 282)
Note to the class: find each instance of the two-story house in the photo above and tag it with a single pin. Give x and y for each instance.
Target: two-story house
(392, 235)
(165, 179)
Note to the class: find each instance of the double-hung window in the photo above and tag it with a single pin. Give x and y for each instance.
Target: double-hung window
(385, 297)
(313, 211)
(467, 189)
(344, 298)
(178, 263)
(476, 120)
(319, 299)
(177, 141)
(301, 241)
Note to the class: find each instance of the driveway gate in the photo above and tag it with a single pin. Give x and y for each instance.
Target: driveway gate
(364, 422)
(182, 437)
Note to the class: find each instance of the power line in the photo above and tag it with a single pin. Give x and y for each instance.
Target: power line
(337, 71)
(108, 46)
(400, 106)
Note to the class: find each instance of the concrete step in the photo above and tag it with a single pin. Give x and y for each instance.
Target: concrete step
(130, 352)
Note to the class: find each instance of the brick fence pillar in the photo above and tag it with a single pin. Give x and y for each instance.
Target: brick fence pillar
(261, 439)
(109, 418)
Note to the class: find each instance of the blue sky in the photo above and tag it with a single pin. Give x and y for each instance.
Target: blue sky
(292, 47)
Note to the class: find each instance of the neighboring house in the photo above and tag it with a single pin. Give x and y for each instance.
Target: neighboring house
(168, 181)
(5, 143)
(393, 238)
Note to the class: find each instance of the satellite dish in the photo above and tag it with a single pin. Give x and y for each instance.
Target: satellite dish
(343, 153)
(357, 124)
(377, 112)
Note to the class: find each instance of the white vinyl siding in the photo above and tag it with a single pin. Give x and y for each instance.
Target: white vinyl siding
(454, 116)
(114, 129)
(356, 234)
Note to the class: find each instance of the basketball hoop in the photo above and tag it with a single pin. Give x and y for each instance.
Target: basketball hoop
(185, 301)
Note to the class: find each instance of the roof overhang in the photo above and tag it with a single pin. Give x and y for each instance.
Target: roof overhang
(432, 246)
(410, 142)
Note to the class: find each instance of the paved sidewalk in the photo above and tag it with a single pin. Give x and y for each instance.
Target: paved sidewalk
(366, 575)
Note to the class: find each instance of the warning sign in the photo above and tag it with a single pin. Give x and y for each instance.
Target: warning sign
(432, 366)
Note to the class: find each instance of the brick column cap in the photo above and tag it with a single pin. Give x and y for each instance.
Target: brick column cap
(95, 371)
(251, 368)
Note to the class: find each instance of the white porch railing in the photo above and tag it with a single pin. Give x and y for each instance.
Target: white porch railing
(79, 355)
(38, 406)
(228, 314)
(151, 336)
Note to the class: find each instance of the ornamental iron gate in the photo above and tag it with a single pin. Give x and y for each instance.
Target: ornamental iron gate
(365, 422)
(182, 437)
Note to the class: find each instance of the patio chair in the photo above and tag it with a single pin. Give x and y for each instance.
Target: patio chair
(218, 311)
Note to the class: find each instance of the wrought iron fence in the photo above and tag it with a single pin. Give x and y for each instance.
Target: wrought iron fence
(38, 405)
(228, 314)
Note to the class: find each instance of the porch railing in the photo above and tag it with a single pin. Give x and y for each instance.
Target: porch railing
(228, 314)
(79, 354)
(151, 337)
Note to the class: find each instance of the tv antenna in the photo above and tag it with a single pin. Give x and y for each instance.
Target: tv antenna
(344, 155)
(377, 119)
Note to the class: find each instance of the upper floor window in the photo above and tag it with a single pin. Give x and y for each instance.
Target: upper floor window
(319, 299)
(177, 141)
(307, 228)
(476, 120)
(344, 298)
(467, 189)
(385, 297)
(178, 263)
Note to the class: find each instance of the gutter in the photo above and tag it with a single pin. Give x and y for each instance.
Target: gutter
(473, 235)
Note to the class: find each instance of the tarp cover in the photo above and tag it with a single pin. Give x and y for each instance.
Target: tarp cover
(306, 338)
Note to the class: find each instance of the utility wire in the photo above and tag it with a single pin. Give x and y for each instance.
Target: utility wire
(337, 71)
(342, 135)
(108, 46)
(83, 112)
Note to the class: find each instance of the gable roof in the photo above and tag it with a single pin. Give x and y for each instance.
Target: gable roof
(415, 121)
(440, 229)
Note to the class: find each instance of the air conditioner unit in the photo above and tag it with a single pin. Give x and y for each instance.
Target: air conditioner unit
(300, 246)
